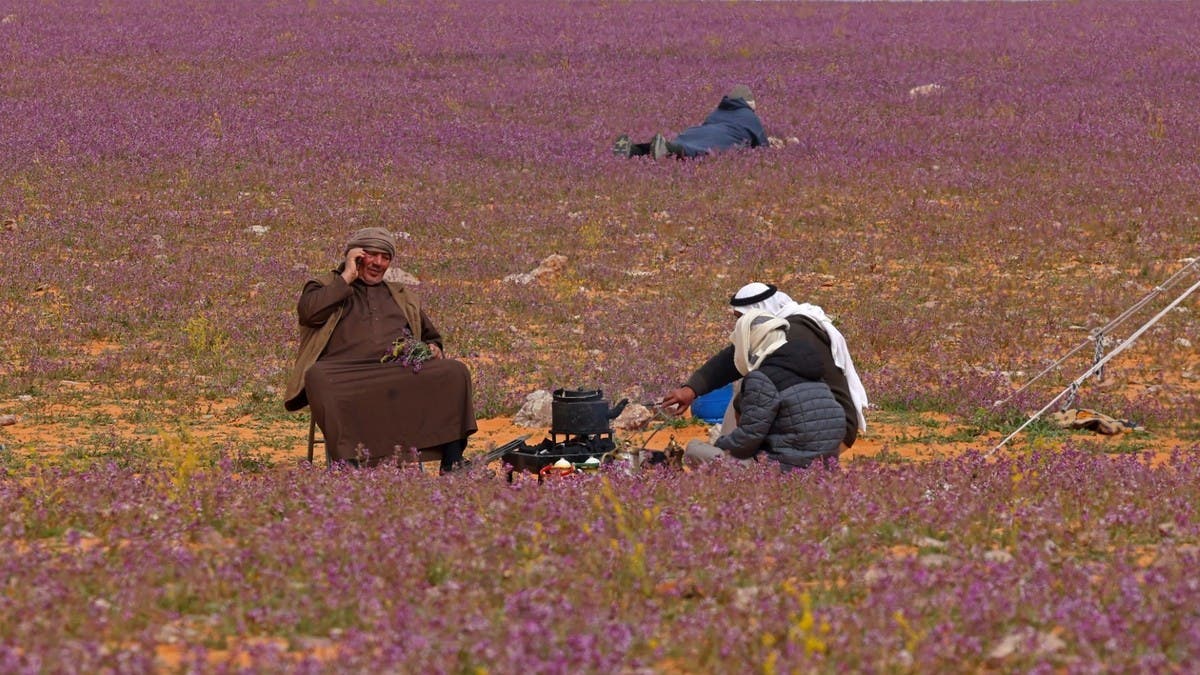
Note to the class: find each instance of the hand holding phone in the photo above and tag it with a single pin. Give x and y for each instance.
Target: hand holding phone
(354, 261)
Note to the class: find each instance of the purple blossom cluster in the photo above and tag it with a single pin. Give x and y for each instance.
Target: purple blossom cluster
(408, 352)
(1063, 561)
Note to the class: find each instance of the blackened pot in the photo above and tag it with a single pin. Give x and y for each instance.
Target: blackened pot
(579, 412)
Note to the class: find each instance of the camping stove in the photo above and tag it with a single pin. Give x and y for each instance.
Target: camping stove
(580, 433)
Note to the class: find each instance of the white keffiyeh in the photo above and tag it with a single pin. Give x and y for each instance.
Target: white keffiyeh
(780, 305)
(755, 336)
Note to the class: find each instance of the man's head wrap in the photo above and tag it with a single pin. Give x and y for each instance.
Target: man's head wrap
(752, 294)
(373, 239)
(767, 298)
(755, 336)
(743, 92)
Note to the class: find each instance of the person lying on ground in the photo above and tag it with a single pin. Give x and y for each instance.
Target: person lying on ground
(786, 410)
(372, 364)
(808, 324)
(733, 124)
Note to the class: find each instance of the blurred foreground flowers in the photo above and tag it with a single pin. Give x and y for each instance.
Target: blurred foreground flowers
(1069, 561)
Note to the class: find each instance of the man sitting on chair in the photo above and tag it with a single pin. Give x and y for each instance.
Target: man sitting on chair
(368, 408)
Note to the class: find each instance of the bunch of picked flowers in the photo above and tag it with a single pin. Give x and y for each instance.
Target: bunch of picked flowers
(408, 352)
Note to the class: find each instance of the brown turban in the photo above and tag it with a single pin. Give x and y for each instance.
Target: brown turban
(373, 239)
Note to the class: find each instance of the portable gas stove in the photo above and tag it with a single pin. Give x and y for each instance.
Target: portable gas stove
(580, 434)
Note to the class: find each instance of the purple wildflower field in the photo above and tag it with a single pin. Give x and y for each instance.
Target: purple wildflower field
(1051, 561)
(971, 189)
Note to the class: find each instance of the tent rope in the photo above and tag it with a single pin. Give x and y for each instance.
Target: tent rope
(1097, 336)
(1096, 367)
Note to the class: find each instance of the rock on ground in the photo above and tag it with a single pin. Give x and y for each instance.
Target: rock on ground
(551, 266)
(634, 417)
(536, 411)
(395, 274)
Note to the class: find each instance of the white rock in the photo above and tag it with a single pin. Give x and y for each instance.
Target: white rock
(875, 575)
(552, 265)
(522, 278)
(260, 230)
(397, 275)
(925, 90)
(634, 416)
(744, 597)
(998, 556)
(1042, 643)
(536, 411)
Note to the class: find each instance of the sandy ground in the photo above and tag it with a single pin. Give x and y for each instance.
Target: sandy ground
(83, 427)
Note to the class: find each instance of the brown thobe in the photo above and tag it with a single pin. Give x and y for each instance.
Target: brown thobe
(372, 410)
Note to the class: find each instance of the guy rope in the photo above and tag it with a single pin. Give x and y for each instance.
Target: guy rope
(1098, 337)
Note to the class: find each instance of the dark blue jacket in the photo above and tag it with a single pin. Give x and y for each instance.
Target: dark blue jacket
(787, 410)
(733, 124)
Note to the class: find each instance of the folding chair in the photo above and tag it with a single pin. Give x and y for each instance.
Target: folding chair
(313, 440)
